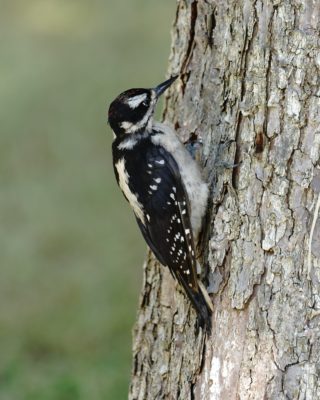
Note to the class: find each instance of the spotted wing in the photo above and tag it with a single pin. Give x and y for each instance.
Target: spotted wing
(167, 226)
(167, 222)
(150, 180)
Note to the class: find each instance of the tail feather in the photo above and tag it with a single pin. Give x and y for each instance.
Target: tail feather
(202, 303)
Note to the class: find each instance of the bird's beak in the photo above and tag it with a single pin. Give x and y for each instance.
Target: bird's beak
(164, 85)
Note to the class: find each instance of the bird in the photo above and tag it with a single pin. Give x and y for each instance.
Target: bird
(164, 187)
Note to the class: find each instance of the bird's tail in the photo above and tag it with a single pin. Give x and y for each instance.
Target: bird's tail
(202, 303)
(204, 308)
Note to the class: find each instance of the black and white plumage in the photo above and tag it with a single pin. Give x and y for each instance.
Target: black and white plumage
(163, 185)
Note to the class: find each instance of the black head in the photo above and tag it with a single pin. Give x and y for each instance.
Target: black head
(133, 109)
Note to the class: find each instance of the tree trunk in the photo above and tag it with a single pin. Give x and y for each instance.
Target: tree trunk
(250, 88)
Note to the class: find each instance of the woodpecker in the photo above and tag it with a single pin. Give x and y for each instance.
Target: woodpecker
(164, 187)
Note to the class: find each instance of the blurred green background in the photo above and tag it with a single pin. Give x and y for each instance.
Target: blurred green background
(70, 252)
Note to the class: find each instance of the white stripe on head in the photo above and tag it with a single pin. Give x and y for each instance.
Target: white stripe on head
(147, 120)
(134, 102)
(130, 127)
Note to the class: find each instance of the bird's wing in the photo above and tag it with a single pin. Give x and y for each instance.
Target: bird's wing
(167, 226)
(150, 180)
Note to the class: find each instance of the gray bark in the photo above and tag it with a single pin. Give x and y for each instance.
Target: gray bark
(250, 75)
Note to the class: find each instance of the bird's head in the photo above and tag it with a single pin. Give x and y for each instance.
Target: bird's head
(132, 110)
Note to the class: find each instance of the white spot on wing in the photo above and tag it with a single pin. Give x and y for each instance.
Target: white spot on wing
(157, 180)
(161, 162)
(153, 187)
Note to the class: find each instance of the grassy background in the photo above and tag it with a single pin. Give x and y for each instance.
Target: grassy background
(70, 252)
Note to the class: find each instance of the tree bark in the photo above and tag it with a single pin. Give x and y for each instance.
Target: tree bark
(250, 75)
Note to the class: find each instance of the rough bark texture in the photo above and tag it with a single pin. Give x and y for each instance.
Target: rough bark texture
(250, 75)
